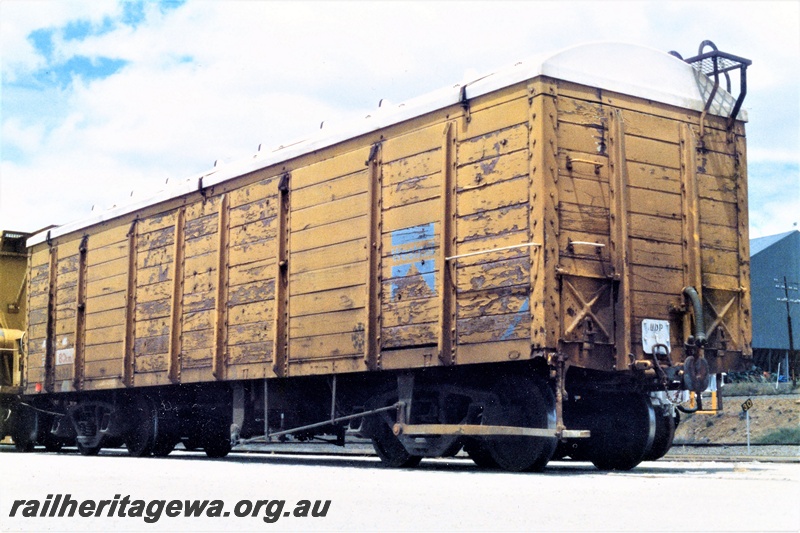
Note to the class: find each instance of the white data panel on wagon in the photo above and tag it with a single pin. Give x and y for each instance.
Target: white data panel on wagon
(655, 332)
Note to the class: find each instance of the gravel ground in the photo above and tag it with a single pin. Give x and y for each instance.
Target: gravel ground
(737, 453)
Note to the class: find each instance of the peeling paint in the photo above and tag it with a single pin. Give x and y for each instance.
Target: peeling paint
(415, 255)
(522, 313)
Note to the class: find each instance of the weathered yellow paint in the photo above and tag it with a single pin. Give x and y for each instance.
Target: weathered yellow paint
(409, 335)
(494, 275)
(411, 215)
(252, 252)
(104, 352)
(260, 311)
(493, 223)
(328, 323)
(330, 278)
(493, 145)
(405, 312)
(330, 191)
(249, 203)
(351, 257)
(328, 301)
(329, 256)
(328, 212)
(411, 143)
(492, 113)
(250, 272)
(478, 175)
(102, 370)
(328, 234)
(106, 302)
(413, 190)
(105, 241)
(346, 344)
(338, 164)
(413, 166)
(495, 196)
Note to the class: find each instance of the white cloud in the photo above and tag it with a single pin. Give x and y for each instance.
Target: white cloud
(20, 136)
(212, 80)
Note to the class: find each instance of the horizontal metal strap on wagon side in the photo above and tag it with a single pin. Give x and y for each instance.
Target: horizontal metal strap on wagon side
(421, 430)
(501, 249)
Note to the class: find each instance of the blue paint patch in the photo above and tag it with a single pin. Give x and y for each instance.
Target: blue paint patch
(413, 236)
(522, 313)
(414, 253)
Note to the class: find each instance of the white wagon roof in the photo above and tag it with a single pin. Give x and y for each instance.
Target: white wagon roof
(618, 67)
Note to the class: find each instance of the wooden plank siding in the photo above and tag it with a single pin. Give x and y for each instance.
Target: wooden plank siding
(327, 258)
(492, 211)
(487, 231)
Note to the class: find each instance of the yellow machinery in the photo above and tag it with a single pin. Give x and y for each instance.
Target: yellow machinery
(13, 264)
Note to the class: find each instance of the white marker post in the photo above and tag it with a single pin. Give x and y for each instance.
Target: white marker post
(746, 408)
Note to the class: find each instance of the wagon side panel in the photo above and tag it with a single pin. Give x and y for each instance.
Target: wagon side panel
(106, 307)
(327, 271)
(38, 316)
(493, 237)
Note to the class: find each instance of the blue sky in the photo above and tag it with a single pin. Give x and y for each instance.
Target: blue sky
(102, 101)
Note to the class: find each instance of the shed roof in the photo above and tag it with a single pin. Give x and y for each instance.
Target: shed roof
(762, 243)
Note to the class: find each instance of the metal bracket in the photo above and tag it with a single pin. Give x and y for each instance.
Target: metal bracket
(464, 101)
(283, 185)
(373, 154)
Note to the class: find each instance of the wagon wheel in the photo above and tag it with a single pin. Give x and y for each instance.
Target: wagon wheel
(25, 429)
(167, 436)
(623, 429)
(46, 437)
(140, 438)
(190, 444)
(23, 445)
(163, 447)
(480, 455)
(524, 402)
(662, 442)
(87, 450)
(216, 439)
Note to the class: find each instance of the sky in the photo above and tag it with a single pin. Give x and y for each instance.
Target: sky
(105, 102)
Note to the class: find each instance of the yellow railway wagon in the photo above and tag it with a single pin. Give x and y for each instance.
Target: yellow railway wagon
(483, 267)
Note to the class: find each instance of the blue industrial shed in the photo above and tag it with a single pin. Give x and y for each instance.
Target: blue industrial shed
(774, 271)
